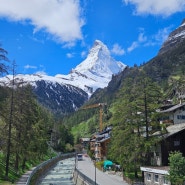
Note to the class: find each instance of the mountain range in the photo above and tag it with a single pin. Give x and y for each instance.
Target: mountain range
(169, 63)
(63, 94)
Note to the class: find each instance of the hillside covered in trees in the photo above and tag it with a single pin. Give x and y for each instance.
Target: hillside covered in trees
(29, 133)
(132, 98)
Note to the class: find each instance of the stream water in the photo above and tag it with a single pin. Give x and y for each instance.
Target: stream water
(61, 174)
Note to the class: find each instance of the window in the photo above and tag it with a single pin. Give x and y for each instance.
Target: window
(97, 152)
(148, 177)
(165, 180)
(156, 178)
(176, 143)
(97, 144)
(180, 116)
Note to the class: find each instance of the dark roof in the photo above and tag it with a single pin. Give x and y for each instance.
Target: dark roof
(171, 130)
(172, 108)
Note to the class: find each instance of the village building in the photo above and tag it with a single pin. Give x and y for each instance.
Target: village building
(99, 144)
(172, 139)
(85, 142)
(156, 175)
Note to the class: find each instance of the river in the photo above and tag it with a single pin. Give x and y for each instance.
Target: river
(62, 173)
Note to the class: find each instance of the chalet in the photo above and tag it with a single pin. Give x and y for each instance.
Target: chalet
(173, 114)
(84, 142)
(99, 143)
(156, 175)
(172, 139)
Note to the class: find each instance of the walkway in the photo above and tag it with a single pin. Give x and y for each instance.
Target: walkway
(24, 177)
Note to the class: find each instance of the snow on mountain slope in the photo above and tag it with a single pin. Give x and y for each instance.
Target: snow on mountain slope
(94, 72)
(177, 36)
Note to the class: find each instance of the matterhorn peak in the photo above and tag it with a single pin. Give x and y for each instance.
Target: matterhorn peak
(95, 71)
(100, 62)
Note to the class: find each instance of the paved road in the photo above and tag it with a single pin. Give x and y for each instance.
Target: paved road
(86, 166)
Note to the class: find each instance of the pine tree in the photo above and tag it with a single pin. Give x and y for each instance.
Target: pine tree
(134, 115)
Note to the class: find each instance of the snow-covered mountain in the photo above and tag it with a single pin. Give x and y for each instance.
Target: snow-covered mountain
(175, 38)
(94, 72)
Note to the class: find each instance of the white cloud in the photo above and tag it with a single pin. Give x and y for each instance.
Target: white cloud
(69, 55)
(83, 54)
(157, 7)
(141, 39)
(133, 46)
(117, 50)
(159, 38)
(60, 18)
(30, 67)
(156, 39)
(162, 34)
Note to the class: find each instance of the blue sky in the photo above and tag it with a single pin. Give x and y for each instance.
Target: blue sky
(53, 36)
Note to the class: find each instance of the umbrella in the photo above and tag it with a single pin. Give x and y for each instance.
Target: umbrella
(107, 164)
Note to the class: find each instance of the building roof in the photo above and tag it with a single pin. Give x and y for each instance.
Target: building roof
(85, 139)
(103, 140)
(157, 169)
(172, 108)
(171, 130)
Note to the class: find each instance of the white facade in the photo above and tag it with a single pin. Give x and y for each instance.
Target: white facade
(174, 114)
(155, 176)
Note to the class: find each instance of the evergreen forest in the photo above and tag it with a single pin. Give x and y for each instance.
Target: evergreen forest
(29, 133)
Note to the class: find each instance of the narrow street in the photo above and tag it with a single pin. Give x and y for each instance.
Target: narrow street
(86, 166)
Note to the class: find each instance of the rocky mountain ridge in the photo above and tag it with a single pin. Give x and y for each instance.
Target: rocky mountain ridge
(174, 39)
(66, 93)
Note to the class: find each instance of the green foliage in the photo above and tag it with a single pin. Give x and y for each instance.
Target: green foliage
(3, 59)
(29, 129)
(177, 168)
(134, 114)
(62, 139)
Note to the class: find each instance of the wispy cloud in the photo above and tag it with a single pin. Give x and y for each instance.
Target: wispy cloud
(117, 50)
(157, 7)
(30, 67)
(135, 44)
(162, 34)
(152, 40)
(60, 18)
(83, 54)
(70, 55)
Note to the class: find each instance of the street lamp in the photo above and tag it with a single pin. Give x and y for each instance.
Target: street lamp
(95, 172)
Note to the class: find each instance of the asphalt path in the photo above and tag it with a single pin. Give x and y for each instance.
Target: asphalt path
(86, 166)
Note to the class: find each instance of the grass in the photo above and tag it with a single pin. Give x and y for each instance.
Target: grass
(131, 175)
(6, 183)
(13, 176)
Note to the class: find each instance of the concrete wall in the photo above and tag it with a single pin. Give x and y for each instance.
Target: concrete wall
(78, 180)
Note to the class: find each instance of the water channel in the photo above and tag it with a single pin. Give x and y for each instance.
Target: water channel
(61, 174)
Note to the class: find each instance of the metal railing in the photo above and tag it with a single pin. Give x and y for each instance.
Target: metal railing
(85, 178)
